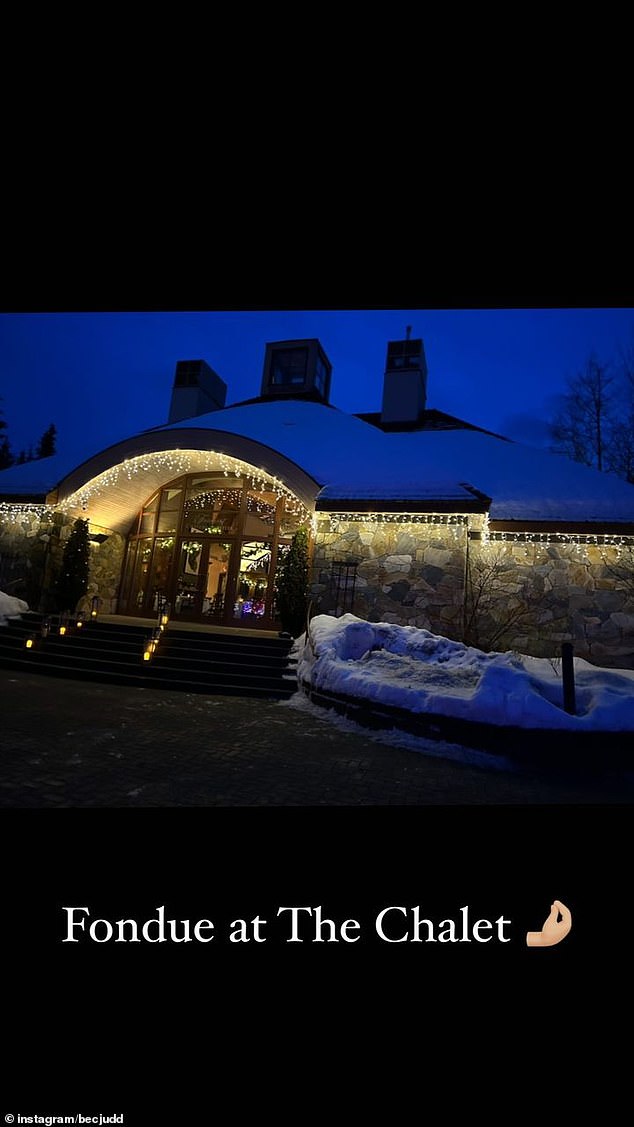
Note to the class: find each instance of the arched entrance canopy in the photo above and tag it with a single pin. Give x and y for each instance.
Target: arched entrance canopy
(208, 517)
(110, 488)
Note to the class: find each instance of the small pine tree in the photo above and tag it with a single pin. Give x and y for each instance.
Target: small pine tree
(292, 585)
(73, 577)
(46, 445)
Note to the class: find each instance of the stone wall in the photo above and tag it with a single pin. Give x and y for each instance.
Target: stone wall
(496, 595)
(413, 574)
(543, 594)
(106, 561)
(31, 550)
(26, 545)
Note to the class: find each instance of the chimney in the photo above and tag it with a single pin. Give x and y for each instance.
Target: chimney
(405, 383)
(197, 389)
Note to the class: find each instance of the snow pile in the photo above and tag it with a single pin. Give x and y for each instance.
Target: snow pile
(423, 672)
(11, 607)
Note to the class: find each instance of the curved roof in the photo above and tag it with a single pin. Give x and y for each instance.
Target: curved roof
(324, 454)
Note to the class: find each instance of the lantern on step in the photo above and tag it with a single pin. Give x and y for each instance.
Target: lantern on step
(94, 606)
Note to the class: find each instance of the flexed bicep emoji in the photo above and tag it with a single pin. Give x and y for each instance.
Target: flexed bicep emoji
(554, 929)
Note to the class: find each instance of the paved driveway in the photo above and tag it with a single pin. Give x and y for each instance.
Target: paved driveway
(76, 744)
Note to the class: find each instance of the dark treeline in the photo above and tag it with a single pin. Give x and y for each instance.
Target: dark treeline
(43, 449)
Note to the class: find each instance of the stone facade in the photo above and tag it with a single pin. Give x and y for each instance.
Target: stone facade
(31, 549)
(27, 541)
(541, 595)
(527, 596)
(493, 594)
(409, 573)
(106, 562)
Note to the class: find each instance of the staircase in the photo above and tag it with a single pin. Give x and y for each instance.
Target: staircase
(186, 660)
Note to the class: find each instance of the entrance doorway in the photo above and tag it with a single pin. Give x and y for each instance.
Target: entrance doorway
(201, 580)
(210, 546)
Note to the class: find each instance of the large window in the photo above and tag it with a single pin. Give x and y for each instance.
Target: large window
(288, 367)
(209, 544)
(212, 505)
(170, 507)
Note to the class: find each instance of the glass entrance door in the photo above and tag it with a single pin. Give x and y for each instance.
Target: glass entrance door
(218, 584)
(190, 577)
(254, 589)
(202, 580)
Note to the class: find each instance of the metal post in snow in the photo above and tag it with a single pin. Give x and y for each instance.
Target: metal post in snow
(568, 676)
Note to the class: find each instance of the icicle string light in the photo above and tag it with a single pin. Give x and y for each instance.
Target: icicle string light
(12, 511)
(256, 502)
(177, 463)
(454, 521)
(209, 498)
(394, 518)
(573, 539)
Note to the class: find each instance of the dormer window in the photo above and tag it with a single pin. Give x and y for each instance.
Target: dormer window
(288, 367)
(296, 369)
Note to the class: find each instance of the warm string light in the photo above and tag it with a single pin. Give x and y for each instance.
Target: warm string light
(264, 509)
(572, 539)
(212, 496)
(577, 542)
(256, 503)
(444, 519)
(176, 463)
(14, 512)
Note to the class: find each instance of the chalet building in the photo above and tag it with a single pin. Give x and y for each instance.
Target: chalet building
(415, 517)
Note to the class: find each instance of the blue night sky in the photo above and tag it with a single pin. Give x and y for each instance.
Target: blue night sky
(103, 376)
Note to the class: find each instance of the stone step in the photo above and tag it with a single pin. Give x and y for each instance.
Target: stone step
(130, 636)
(237, 688)
(188, 661)
(116, 651)
(214, 676)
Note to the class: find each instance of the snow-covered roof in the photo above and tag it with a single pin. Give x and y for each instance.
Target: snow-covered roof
(322, 452)
(33, 478)
(355, 460)
(327, 443)
(399, 490)
(525, 484)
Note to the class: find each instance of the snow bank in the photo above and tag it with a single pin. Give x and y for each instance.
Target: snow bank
(11, 607)
(413, 669)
